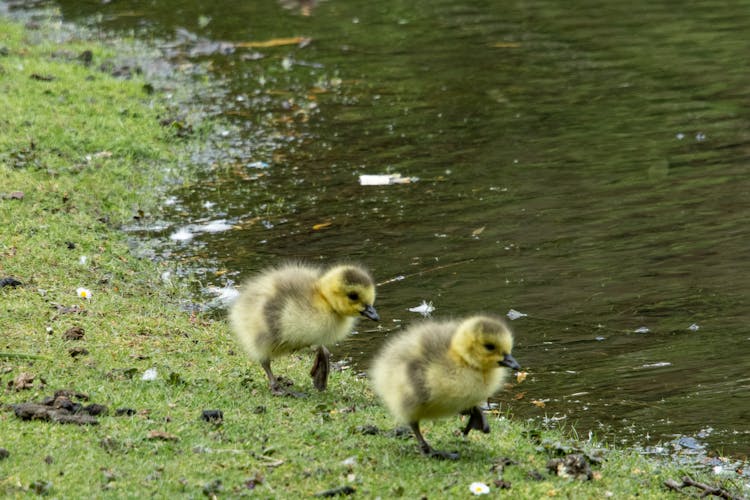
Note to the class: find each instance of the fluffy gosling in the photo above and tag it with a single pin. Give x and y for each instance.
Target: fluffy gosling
(287, 308)
(437, 369)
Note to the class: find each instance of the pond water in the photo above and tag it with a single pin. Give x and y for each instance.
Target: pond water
(584, 164)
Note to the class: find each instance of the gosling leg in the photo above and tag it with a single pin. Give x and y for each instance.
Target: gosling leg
(427, 449)
(477, 421)
(277, 389)
(320, 368)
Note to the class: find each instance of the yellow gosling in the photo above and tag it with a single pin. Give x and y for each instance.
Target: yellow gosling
(294, 306)
(437, 369)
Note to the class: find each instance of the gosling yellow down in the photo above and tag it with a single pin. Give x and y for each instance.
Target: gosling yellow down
(294, 306)
(437, 369)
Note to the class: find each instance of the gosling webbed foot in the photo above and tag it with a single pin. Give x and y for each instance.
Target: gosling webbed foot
(427, 450)
(477, 421)
(320, 368)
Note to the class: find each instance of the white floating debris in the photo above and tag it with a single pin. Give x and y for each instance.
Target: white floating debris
(215, 226)
(700, 137)
(643, 329)
(182, 234)
(514, 315)
(660, 364)
(384, 179)
(258, 164)
(694, 327)
(680, 136)
(424, 309)
(208, 205)
(600, 338)
(225, 294)
(149, 374)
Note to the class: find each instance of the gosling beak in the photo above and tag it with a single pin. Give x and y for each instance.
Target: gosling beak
(370, 312)
(510, 362)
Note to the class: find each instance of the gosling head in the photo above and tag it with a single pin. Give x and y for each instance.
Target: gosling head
(485, 343)
(350, 291)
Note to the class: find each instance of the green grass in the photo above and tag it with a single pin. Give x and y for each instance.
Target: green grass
(88, 152)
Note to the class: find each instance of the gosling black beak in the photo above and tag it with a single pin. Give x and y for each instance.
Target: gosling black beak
(510, 362)
(370, 312)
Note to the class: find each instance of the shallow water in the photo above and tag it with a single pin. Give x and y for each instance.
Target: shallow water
(583, 164)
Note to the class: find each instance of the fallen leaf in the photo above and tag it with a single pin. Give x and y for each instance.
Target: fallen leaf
(23, 381)
(322, 225)
(478, 231)
(538, 403)
(275, 42)
(521, 376)
(162, 436)
(520, 395)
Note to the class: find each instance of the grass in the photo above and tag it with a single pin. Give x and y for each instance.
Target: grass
(88, 152)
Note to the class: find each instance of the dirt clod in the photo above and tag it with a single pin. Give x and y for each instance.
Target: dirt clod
(4, 453)
(61, 409)
(95, 410)
(9, 281)
(215, 416)
(71, 394)
(74, 333)
(77, 351)
(35, 411)
(334, 492)
(502, 484)
(367, 430)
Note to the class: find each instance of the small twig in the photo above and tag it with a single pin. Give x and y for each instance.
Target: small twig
(424, 271)
(707, 489)
(381, 330)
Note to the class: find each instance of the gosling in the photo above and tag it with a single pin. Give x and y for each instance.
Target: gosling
(437, 369)
(294, 306)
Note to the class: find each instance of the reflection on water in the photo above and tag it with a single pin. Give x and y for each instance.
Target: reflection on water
(585, 164)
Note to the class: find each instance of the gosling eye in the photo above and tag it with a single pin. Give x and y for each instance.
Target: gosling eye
(489, 347)
(353, 295)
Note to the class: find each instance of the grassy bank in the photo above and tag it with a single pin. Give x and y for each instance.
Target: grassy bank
(80, 151)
